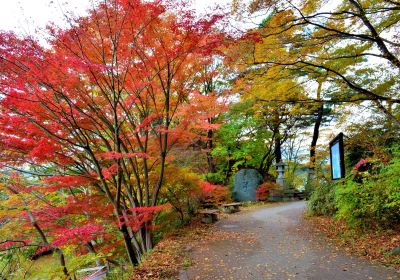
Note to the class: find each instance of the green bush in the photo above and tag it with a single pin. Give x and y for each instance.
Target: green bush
(322, 200)
(372, 202)
(217, 178)
(391, 179)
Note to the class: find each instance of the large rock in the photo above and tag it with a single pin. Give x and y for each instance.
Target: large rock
(395, 252)
(245, 185)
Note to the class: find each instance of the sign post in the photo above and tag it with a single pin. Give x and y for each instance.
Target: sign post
(337, 157)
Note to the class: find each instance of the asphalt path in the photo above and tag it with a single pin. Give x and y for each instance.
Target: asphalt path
(271, 243)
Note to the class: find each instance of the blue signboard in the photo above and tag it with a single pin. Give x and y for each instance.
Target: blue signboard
(337, 157)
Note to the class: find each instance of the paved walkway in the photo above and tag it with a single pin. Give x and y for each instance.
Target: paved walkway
(268, 243)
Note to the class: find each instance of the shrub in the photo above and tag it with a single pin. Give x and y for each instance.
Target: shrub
(322, 200)
(214, 194)
(263, 190)
(391, 179)
(182, 191)
(360, 205)
(373, 200)
(215, 178)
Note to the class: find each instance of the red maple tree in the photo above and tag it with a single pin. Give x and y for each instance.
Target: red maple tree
(96, 112)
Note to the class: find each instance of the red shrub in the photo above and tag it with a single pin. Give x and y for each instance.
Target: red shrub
(263, 190)
(214, 194)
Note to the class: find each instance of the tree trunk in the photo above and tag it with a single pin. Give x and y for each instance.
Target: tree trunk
(209, 146)
(278, 149)
(91, 249)
(315, 136)
(387, 54)
(266, 163)
(317, 124)
(128, 245)
(149, 238)
(130, 249)
(44, 239)
(62, 262)
(277, 138)
(228, 169)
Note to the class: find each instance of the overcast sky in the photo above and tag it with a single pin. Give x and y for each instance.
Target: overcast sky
(25, 15)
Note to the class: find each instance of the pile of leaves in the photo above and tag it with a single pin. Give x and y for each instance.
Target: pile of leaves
(374, 245)
(172, 253)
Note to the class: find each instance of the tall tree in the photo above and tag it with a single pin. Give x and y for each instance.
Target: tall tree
(103, 105)
(355, 42)
(242, 141)
(274, 90)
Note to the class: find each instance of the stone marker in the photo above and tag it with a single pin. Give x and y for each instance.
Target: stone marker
(286, 192)
(245, 185)
(395, 252)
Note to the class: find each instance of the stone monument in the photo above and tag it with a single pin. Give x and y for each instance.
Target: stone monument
(245, 185)
(286, 192)
(280, 179)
